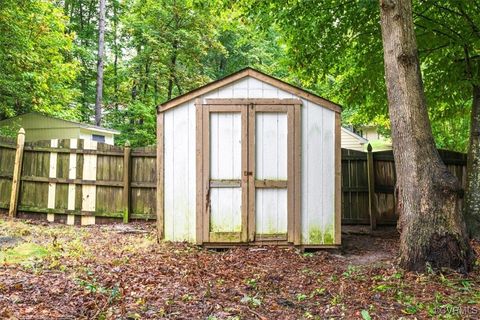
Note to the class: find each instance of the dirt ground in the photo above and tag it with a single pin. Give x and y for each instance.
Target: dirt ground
(117, 272)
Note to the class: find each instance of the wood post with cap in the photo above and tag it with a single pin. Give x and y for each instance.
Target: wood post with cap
(17, 173)
(126, 182)
(371, 188)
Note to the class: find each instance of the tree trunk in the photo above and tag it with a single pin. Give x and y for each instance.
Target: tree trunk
(433, 230)
(472, 197)
(101, 48)
(115, 51)
(173, 66)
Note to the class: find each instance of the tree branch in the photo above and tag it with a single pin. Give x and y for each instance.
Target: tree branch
(439, 24)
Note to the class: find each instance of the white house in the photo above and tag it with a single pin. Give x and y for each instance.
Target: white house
(352, 141)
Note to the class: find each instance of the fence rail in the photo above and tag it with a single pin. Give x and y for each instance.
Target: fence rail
(84, 182)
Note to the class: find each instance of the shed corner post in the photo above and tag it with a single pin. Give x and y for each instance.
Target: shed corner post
(126, 181)
(199, 171)
(371, 188)
(338, 179)
(160, 177)
(17, 171)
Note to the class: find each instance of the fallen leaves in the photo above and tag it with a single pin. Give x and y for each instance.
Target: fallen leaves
(101, 273)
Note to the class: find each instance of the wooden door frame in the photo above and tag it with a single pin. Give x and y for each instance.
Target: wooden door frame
(248, 109)
(204, 183)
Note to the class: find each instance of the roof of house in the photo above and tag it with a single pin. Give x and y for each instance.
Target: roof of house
(353, 134)
(72, 123)
(249, 72)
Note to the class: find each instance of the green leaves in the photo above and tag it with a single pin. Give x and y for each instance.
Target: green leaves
(335, 49)
(36, 72)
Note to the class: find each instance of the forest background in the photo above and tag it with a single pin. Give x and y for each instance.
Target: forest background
(158, 49)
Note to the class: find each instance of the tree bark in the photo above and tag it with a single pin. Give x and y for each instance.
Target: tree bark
(433, 230)
(472, 196)
(116, 52)
(173, 65)
(101, 48)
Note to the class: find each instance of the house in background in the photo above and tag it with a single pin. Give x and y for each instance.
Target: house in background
(370, 132)
(358, 139)
(41, 127)
(353, 141)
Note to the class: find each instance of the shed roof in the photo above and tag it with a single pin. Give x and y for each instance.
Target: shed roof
(249, 72)
(69, 122)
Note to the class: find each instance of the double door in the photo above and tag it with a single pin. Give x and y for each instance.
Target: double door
(250, 174)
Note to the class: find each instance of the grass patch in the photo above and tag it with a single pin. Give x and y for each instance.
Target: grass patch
(23, 253)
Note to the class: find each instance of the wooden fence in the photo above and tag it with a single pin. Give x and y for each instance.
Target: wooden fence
(368, 184)
(77, 181)
(84, 182)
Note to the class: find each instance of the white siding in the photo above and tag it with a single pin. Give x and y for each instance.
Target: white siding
(318, 172)
(179, 207)
(271, 163)
(226, 163)
(271, 146)
(271, 211)
(225, 146)
(226, 210)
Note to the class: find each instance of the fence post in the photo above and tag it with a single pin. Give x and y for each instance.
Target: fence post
(17, 172)
(371, 188)
(126, 181)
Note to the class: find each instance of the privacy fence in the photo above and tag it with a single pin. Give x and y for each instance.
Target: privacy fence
(85, 182)
(77, 181)
(368, 185)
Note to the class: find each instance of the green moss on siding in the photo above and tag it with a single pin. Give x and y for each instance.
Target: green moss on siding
(316, 235)
(329, 236)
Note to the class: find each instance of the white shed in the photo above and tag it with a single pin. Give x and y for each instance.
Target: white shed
(249, 159)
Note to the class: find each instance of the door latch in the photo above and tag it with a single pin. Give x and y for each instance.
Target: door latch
(247, 173)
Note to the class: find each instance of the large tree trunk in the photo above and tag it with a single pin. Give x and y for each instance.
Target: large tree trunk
(472, 197)
(101, 48)
(433, 230)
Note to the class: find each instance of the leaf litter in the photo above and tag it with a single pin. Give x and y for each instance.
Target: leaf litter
(118, 272)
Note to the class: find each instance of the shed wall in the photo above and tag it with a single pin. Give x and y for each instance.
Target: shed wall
(318, 164)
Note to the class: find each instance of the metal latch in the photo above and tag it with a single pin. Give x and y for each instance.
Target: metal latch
(247, 173)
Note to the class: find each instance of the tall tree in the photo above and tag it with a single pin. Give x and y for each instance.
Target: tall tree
(101, 49)
(344, 60)
(432, 227)
(37, 70)
(83, 22)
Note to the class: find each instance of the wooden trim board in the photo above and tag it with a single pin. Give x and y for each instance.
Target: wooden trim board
(256, 101)
(203, 223)
(251, 168)
(160, 178)
(199, 172)
(298, 175)
(338, 181)
(291, 175)
(256, 75)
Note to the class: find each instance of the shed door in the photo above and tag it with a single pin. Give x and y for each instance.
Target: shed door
(250, 155)
(225, 145)
(271, 188)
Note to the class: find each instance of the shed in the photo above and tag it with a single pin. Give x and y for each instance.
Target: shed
(42, 127)
(249, 159)
(352, 141)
